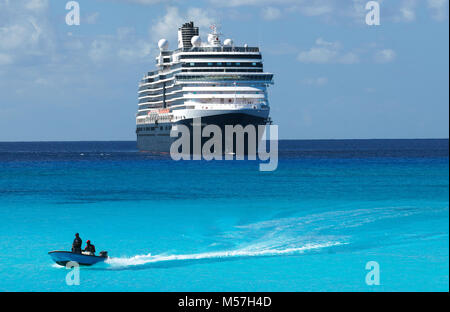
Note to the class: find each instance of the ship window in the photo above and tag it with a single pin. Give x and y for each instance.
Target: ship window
(219, 64)
(228, 64)
(192, 64)
(254, 64)
(210, 64)
(238, 64)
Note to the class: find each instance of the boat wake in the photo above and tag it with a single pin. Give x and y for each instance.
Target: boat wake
(331, 231)
(166, 261)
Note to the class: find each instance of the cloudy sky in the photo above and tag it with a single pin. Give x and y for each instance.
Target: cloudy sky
(335, 76)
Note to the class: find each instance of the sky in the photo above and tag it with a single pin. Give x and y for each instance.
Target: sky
(335, 77)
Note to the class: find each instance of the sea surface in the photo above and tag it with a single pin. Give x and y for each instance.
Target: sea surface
(311, 225)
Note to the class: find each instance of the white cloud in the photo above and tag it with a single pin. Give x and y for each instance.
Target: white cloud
(439, 9)
(322, 42)
(14, 36)
(327, 52)
(349, 58)
(125, 32)
(385, 56)
(36, 4)
(353, 10)
(100, 50)
(24, 30)
(42, 81)
(320, 81)
(407, 11)
(145, 2)
(238, 3)
(141, 50)
(124, 45)
(91, 18)
(313, 8)
(317, 10)
(282, 48)
(167, 25)
(317, 55)
(202, 18)
(5, 59)
(74, 44)
(326, 9)
(271, 13)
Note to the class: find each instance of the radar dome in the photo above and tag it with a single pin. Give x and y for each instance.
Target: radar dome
(228, 42)
(163, 44)
(196, 41)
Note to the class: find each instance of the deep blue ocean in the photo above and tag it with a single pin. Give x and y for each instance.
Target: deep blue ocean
(311, 225)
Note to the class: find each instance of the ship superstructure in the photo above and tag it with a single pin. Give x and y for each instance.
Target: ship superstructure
(221, 83)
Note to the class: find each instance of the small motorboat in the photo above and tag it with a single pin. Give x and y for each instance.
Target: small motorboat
(62, 257)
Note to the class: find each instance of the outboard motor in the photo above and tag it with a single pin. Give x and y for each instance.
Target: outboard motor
(103, 254)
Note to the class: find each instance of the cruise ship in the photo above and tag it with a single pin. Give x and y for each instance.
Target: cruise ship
(216, 81)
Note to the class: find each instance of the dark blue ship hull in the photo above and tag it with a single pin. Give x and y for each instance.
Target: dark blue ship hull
(156, 137)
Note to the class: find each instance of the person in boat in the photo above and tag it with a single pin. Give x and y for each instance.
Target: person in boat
(76, 245)
(89, 248)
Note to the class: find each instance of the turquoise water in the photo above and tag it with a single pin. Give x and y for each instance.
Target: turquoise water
(311, 225)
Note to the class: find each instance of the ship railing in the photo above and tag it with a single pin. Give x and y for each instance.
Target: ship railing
(218, 49)
(252, 77)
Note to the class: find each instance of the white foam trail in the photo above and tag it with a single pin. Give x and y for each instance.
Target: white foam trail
(247, 252)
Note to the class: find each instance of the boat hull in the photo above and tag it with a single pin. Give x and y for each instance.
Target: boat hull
(156, 138)
(63, 257)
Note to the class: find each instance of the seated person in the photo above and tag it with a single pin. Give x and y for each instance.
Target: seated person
(90, 249)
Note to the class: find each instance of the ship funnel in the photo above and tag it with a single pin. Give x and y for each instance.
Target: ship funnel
(185, 34)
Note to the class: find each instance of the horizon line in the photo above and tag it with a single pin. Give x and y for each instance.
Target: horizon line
(359, 139)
